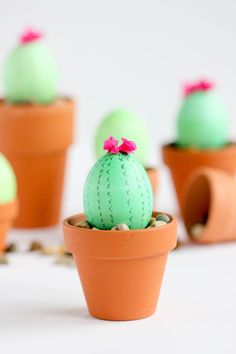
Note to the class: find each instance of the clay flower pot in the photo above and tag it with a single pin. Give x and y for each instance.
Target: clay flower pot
(8, 213)
(210, 194)
(182, 162)
(152, 173)
(35, 139)
(120, 271)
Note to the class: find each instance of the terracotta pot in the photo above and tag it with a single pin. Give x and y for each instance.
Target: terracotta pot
(35, 139)
(210, 194)
(182, 162)
(120, 271)
(152, 173)
(8, 213)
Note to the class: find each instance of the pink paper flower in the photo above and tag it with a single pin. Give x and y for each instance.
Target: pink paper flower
(202, 85)
(127, 146)
(30, 36)
(111, 145)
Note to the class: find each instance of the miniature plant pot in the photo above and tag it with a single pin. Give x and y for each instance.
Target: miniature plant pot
(8, 213)
(35, 139)
(152, 173)
(120, 271)
(210, 194)
(182, 162)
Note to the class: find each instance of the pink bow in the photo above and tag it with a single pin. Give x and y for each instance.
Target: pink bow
(111, 145)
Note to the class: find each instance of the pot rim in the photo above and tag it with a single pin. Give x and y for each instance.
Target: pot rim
(172, 147)
(34, 105)
(8, 211)
(112, 244)
(196, 177)
(154, 214)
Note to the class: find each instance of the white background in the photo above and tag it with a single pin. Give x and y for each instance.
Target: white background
(134, 54)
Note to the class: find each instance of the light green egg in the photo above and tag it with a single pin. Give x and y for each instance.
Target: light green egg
(203, 122)
(31, 74)
(7, 181)
(123, 123)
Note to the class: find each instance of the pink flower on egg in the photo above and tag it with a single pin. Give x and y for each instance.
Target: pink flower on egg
(29, 36)
(202, 85)
(111, 145)
(127, 146)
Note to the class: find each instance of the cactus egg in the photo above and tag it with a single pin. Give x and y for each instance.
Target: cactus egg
(118, 191)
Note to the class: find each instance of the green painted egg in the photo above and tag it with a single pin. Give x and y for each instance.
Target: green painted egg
(203, 122)
(31, 74)
(7, 181)
(118, 191)
(123, 123)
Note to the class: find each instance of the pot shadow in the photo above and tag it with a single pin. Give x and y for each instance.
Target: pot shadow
(33, 317)
(80, 313)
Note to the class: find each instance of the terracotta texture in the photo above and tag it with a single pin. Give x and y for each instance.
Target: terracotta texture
(153, 176)
(212, 193)
(182, 162)
(35, 138)
(8, 213)
(120, 271)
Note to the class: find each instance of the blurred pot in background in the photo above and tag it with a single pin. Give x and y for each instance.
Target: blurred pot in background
(36, 128)
(203, 127)
(209, 206)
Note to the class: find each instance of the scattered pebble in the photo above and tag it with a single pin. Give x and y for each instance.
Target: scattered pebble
(163, 217)
(196, 230)
(95, 228)
(50, 251)
(65, 259)
(11, 248)
(83, 224)
(121, 227)
(3, 259)
(158, 223)
(35, 246)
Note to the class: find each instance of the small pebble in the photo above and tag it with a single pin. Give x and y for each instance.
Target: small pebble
(50, 251)
(121, 227)
(35, 246)
(83, 224)
(11, 248)
(163, 217)
(65, 259)
(95, 228)
(196, 230)
(152, 220)
(3, 259)
(158, 223)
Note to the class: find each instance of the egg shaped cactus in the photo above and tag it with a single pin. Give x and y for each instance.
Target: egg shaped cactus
(31, 73)
(117, 189)
(203, 120)
(7, 181)
(119, 123)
